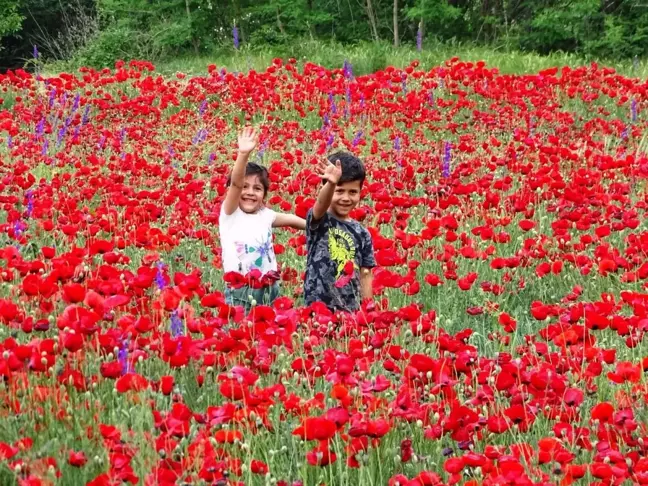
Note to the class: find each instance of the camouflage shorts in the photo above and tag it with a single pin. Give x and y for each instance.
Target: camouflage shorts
(245, 296)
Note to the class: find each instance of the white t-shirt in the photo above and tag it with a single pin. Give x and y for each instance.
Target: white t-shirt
(246, 241)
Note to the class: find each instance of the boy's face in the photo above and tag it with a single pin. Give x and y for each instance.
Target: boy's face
(345, 198)
(252, 196)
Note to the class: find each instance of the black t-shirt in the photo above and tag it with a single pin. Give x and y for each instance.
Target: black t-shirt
(331, 243)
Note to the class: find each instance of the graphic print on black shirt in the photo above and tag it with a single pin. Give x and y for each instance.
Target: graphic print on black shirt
(331, 245)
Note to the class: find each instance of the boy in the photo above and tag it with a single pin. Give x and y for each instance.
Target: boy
(340, 251)
(246, 228)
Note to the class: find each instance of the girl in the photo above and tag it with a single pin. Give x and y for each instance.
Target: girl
(246, 229)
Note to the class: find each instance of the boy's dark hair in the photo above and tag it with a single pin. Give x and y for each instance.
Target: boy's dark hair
(352, 167)
(258, 170)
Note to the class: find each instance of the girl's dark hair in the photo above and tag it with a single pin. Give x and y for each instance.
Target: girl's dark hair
(352, 167)
(258, 170)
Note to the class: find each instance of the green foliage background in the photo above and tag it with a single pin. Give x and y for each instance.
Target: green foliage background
(97, 32)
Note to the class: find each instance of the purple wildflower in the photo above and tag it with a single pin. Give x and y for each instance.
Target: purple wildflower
(447, 157)
(75, 104)
(397, 148)
(200, 136)
(9, 141)
(404, 83)
(624, 133)
(40, 128)
(160, 281)
(45, 147)
(332, 102)
(419, 38)
(177, 326)
(348, 70)
(122, 357)
(329, 142)
(18, 228)
(52, 97)
(212, 157)
(77, 129)
(262, 150)
(633, 110)
(86, 115)
(101, 143)
(357, 139)
(30, 202)
(61, 135)
(235, 37)
(362, 101)
(35, 52)
(431, 99)
(203, 108)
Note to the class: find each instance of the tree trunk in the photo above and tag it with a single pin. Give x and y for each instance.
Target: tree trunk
(372, 21)
(194, 41)
(485, 7)
(420, 34)
(311, 27)
(396, 37)
(280, 25)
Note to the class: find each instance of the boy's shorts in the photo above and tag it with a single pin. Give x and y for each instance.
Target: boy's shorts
(245, 295)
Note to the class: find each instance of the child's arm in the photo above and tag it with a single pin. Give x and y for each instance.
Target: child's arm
(367, 263)
(331, 174)
(247, 140)
(289, 220)
(366, 283)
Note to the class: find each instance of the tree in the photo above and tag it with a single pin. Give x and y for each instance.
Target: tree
(372, 20)
(395, 19)
(11, 19)
(439, 16)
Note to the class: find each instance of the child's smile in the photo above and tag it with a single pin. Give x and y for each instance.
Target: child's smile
(345, 199)
(253, 195)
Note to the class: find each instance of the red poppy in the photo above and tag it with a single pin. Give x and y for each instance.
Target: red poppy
(259, 467)
(321, 456)
(77, 459)
(316, 428)
(166, 384)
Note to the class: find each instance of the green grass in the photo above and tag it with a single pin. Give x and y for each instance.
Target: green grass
(371, 57)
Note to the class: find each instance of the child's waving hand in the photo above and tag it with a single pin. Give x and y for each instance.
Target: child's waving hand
(329, 172)
(247, 140)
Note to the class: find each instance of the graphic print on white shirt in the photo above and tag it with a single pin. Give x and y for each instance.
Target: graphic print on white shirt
(246, 241)
(261, 252)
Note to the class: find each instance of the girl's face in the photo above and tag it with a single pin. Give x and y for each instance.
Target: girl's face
(252, 197)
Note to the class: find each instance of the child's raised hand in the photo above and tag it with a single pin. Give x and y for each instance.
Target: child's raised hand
(330, 172)
(247, 140)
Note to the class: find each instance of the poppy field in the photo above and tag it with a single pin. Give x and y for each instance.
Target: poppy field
(505, 343)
